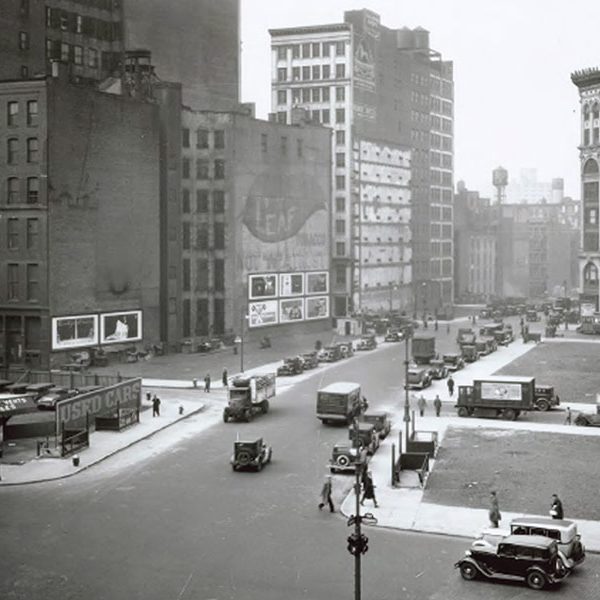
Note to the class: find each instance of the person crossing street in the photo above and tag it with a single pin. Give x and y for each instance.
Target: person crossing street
(450, 384)
(437, 404)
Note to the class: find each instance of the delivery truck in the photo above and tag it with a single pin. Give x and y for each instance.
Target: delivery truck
(340, 402)
(423, 348)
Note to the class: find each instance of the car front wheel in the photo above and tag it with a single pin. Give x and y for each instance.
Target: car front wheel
(468, 571)
(536, 580)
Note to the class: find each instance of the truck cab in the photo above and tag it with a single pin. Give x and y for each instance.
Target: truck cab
(545, 397)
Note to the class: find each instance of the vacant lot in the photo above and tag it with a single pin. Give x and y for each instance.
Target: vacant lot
(525, 468)
(572, 368)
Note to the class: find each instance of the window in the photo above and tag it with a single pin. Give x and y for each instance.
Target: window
(64, 21)
(33, 232)
(316, 94)
(299, 148)
(340, 182)
(12, 276)
(340, 204)
(326, 48)
(340, 94)
(24, 72)
(340, 159)
(340, 226)
(23, 40)
(305, 94)
(340, 137)
(326, 71)
(12, 113)
(316, 49)
(185, 235)
(202, 138)
(264, 142)
(33, 275)
(185, 201)
(13, 234)
(305, 50)
(282, 117)
(282, 97)
(78, 55)
(219, 235)
(325, 94)
(78, 24)
(186, 273)
(340, 275)
(64, 52)
(186, 329)
(595, 111)
(340, 249)
(32, 113)
(340, 71)
(340, 48)
(33, 190)
(281, 53)
(282, 74)
(316, 72)
(295, 51)
(340, 115)
(219, 139)
(49, 19)
(12, 190)
(305, 73)
(185, 168)
(219, 202)
(185, 138)
(202, 236)
(295, 73)
(92, 58)
(12, 151)
(219, 168)
(325, 116)
(284, 145)
(219, 284)
(202, 168)
(202, 201)
(595, 135)
(296, 95)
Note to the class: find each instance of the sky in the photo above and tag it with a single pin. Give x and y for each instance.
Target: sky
(515, 104)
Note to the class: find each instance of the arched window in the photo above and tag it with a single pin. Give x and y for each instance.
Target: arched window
(590, 273)
(590, 167)
(595, 111)
(586, 112)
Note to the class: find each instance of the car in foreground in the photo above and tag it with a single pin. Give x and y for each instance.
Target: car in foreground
(345, 457)
(588, 420)
(530, 558)
(251, 455)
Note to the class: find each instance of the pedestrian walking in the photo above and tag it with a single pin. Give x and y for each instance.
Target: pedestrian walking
(155, 406)
(435, 325)
(326, 495)
(556, 509)
(450, 384)
(569, 416)
(437, 404)
(207, 382)
(422, 404)
(448, 329)
(368, 490)
(225, 379)
(495, 516)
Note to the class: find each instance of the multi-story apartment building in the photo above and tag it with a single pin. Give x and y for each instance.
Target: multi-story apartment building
(372, 83)
(588, 83)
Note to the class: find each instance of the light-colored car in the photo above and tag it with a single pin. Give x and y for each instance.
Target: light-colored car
(53, 397)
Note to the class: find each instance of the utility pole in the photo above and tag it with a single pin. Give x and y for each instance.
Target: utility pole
(242, 341)
(406, 391)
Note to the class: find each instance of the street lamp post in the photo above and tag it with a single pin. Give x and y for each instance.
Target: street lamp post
(566, 311)
(406, 392)
(240, 340)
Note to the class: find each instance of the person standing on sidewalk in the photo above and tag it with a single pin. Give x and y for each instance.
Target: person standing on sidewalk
(326, 495)
(495, 516)
(225, 379)
(207, 382)
(448, 328)
(569, 416)
(155, 406)
(368, 490)
(450, 384)
(437, 404)
(556, 510)
(422, 403)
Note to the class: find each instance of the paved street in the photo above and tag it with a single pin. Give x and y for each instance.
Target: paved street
(182, 525)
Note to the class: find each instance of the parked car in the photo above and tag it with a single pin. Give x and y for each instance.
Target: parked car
(87, 389)
(470, 353)
(530, 558)
(346, 349)
(453, 361)
(330, 354)
(394, 335)
(344, 458)
(438, 369)
(367, 342)
(545, 397)
(49, 400)
(561, 530)
(418, 378)
(291, 366)
(381, 421)
(16, 388)
(367, 436)
(254, 454)
(588, 420)
(40, 389)
(309, 360)
(532, 316)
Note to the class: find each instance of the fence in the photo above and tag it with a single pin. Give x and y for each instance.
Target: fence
(423, 442)
(72, 440)
(68, 379)
(119, 420)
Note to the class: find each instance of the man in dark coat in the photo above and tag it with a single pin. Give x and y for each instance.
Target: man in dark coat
(450, 384)
(556, 510)
(207, 383)
(155, 406)
(437, 404)
(368, 490)
(225, 379)
(326, 495)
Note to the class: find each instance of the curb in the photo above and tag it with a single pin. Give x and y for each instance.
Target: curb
(105, 457)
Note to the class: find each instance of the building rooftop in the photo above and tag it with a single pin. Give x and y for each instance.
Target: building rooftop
(310, 29)
(586, 77)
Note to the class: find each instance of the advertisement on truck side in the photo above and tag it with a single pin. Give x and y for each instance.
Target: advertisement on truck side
(501, 391)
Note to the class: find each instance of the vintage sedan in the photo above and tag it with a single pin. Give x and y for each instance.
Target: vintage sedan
(252, 454)
(588, 420)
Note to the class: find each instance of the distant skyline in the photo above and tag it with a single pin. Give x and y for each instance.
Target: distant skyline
(515, 105)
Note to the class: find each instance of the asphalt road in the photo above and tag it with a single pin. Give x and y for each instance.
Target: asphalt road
(184, 526)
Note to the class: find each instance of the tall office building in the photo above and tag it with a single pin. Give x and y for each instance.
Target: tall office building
(377, 85)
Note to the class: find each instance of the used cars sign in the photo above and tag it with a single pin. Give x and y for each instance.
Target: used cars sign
(11, 404)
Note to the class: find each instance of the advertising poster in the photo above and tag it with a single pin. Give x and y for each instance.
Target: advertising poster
(72, 332)
(501, 391)
(317, 283)
(119, 327)
(262, 313)
(291, 284)
(262, 286)
(317, 308)
(291, 310)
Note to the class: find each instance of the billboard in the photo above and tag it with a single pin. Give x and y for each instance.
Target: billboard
(317, 307)
(317, 282)
(120, 327)
(291, 284)
(501, 391)
(262, 286)
(291, 310)
(262, 313)
(75, 331)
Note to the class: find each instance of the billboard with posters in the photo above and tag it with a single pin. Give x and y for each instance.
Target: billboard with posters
(120, 327)
(291, 284)
(262, 286)
(291, 310)
(317, 282)
(75, 331)
(317, 307)
(262, 313)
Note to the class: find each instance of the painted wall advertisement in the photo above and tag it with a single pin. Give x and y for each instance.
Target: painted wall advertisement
(74, 332)
(121, 327)
(263, 313)
(501, 391)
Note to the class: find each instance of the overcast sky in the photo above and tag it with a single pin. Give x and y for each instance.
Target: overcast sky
(515, 104)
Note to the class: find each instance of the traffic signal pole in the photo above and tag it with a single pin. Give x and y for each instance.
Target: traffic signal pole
(357, 527)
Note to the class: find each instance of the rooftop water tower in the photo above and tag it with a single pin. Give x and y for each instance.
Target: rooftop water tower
(500, 181)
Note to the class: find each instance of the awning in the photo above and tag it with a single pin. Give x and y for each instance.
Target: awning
(12, 404)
